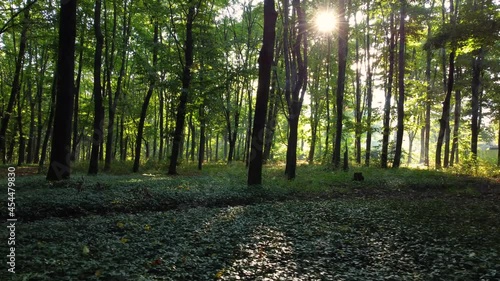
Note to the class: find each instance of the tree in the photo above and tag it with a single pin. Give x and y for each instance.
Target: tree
(342, 62)
(186, 80)
(401, 82)
(388, 96)
(265, 64)
(98, 134)
(152, 77)
(295, 53)
(16, 84)
(60, 163)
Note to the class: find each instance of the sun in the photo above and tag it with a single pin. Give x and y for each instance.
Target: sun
(325, 21)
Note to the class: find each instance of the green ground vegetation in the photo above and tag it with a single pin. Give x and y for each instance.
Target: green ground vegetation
(403, 224)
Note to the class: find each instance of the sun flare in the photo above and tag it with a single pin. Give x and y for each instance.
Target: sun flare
(325, 21)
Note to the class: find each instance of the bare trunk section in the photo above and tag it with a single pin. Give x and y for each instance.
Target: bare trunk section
(342, 63)
(401, 82)
(388, 96)
(98, 134)
(265, 63)
(186, 80)
(60, 163)
(16, 84)
(147, 98)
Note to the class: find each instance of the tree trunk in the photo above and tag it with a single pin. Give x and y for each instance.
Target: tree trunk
(16, 84)
(297, 73)
(201, 149)
(271, 116)
(369, 93)
(61, 138)
(342, 62)
(186, 80)
(147, 98)
(358, 114)
(456, 126)
(76, 113)
(97, 136)
(476, 85)
(401, 82)
(50, 121)
(265, 63)
(388, 96)
(113, 101)
(22, 141)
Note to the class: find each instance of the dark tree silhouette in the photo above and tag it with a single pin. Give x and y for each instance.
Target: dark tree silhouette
(98, 134)
(265, 63)
(60, 155)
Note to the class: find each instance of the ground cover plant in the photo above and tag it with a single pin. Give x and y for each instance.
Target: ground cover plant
(394, 225)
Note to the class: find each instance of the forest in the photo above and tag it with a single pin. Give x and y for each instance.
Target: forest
(250, 139)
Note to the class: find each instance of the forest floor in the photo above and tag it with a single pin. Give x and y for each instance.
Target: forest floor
(404, 224)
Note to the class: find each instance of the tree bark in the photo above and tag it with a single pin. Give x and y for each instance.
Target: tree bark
(342, 62)
(186, 80)
(98, 134)
(60, 163)
(358, 113)
(113, 101)
(388, 96)
(16, 84)
(401, 82)
(147, 98)
(369, 92)
(265, 63)
(297, 71)
(476, 85)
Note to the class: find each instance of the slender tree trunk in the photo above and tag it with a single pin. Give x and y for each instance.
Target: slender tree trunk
(342, 62)
(113, 101)
(297, 69)
(271, 116)
(98, 135)
(201, 149)
(39, 94)
(76, 113)
(161, 95)
(369, 93)
(265, 63)
(456, 126)
(16, 84)
(22, 140)
(388, 96)
(446, 109)
(401, 81)
(147, 98)
(186, 80)
(60, 163)
(476, 86)
(358, 114)
(31, 135)
(50, 121)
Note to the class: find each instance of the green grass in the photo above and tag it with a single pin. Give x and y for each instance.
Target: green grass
(396, 225)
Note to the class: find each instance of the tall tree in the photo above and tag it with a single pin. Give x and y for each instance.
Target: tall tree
(16, 84)
(296, 80)
(445, 116)
(265, 63)
(388, 95)
(342, 63)
(98, 134)
(186, 81)
(152, 81)
(60, 162)
(401, 83)
(113, 100)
